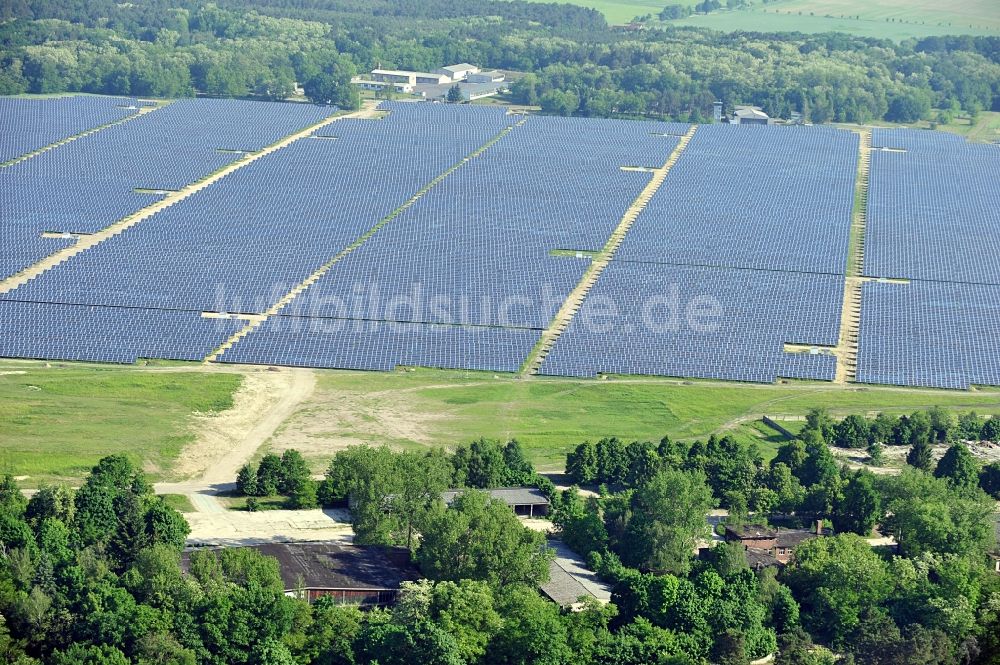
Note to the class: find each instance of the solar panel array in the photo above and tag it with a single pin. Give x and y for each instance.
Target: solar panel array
(933, 219)
(740, 252)
(753, 197)
(88, 184)
(752, 220)
(27, 124)
(934, 210)
(242, 243)
(107, 334)
(377, 345)
(476, 249)
(644, 318)
(933, 334)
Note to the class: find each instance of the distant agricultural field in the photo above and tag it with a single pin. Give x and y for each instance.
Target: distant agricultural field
(892, 19)
(619, 12)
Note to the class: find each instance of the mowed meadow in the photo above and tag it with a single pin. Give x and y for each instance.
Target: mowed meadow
(56, 421)
(549, 416)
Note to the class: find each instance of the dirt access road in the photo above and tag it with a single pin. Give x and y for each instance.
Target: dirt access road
(228, 440)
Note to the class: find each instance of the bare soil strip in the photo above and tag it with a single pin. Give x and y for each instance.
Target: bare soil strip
(850, 314)
(228, 440)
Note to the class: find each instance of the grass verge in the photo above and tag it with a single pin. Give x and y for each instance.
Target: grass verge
(178, 502)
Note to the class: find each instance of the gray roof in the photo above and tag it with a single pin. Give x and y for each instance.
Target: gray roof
(461, 67)
(512, 496)
(758, 559)
(569, 578)
(748, 112)
(337, 565)
(783, 537)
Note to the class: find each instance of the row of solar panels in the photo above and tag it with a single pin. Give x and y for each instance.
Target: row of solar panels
(88, 184)
(746, 212)
(934, 219)
(28, 124)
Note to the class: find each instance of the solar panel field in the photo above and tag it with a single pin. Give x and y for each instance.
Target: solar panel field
(469, 238)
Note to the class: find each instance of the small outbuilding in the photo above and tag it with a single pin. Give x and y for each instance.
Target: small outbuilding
(524, 501)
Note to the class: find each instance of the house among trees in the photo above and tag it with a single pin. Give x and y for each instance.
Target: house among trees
(570, 579)
(524, 501)
(767, 546)
(366, 576)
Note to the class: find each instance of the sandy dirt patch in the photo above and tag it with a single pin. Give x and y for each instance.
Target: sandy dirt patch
(985, 452)
(332, 420)
(227, 440)
(268, 526)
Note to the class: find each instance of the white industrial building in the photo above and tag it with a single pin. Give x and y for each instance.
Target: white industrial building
(411, 78)
(473, 83)
(459, 72)
(370, 84)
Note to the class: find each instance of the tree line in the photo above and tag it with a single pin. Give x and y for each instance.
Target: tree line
(575, 63)
(931, 601)
(796, 477)
(93, 575)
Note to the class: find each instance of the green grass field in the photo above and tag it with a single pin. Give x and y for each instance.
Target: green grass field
(759, 21)
(619, 12)
(887, 19)
(57, 422)
(550, 416)
(984, 129)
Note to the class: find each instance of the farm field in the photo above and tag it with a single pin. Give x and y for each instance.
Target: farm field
(957, 15)
(787, 20)
(892, 19)
(56, 422)
(621, 12)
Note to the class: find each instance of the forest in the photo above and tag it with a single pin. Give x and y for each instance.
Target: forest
(93, 575)
(571, 61)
